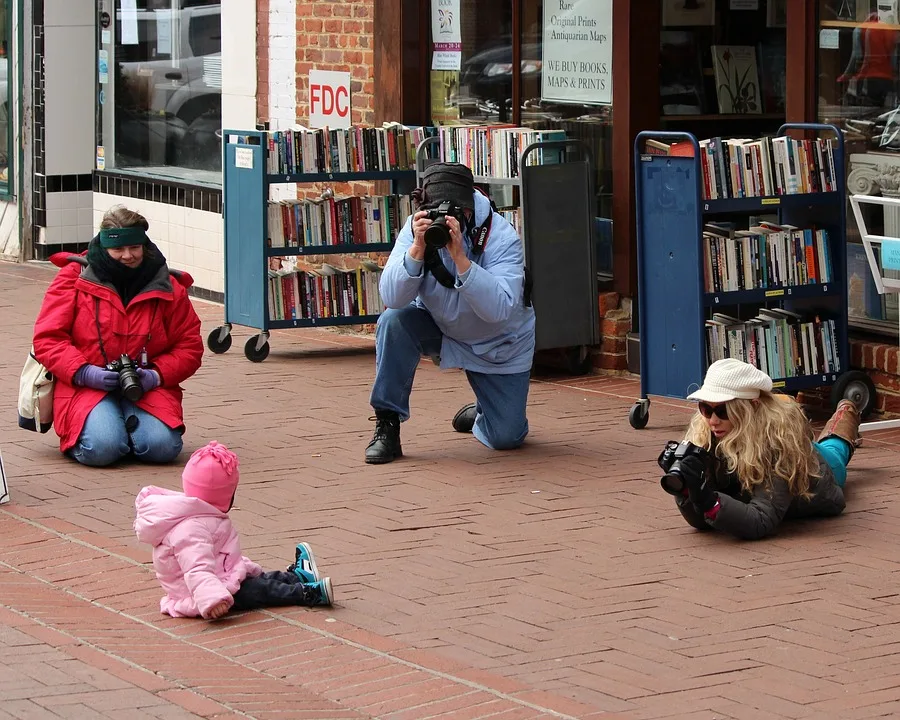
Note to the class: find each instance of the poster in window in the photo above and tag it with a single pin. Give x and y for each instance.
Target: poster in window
(446, 37)
(577, 50)
(444, 97)
(676, 13)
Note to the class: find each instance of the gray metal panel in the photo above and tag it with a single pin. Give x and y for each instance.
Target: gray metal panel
(558, 222)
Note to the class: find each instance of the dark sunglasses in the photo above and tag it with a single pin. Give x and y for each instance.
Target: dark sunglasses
(707, 410)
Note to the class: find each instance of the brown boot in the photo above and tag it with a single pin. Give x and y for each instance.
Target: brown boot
(844, 424)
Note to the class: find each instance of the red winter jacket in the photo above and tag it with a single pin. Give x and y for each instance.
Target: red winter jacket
(161, 318)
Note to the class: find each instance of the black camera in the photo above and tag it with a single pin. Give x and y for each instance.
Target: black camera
(670, 460)
(129, 382)
(437, 235)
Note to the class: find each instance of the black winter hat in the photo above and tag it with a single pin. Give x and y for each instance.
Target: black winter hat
(449, 181)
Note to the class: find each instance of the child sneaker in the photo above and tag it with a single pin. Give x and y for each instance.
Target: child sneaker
(318, 593)
(304, 565)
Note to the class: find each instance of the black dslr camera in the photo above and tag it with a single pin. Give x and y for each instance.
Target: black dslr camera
(437, 235)
(129, 382)
(670, 460)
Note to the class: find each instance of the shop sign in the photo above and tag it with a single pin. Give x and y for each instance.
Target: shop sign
(577, 52)
(329, 99)
(446, 50)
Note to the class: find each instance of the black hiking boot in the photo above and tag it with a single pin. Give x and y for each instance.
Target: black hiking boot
(385, 445)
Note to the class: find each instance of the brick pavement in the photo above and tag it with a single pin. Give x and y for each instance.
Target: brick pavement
(555, 581)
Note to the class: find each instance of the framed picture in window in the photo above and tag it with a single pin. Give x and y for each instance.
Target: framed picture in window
(676, 13)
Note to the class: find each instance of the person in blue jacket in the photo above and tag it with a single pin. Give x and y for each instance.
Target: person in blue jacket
(465, 303)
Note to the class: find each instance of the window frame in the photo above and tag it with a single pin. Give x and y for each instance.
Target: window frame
(105, 126)
(6, 188)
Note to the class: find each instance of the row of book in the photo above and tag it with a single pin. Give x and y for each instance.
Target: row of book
(765, 256)
(495, 150)
(336, 221)
(781, 343)
(769, 166)
(324, 292)
(357, 149)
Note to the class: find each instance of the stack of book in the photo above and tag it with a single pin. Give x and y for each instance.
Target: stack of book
(324, 291)
(765, 256)
(494, 150)
(358, 149)
(768, 166)
(779, 342)
(337, 221)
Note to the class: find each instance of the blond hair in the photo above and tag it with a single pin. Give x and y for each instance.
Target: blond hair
(119, 216)
(769, 439)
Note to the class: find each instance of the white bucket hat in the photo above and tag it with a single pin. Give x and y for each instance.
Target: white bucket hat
(729, 379)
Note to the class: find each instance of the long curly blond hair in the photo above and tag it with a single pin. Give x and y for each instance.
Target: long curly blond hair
(770, 438)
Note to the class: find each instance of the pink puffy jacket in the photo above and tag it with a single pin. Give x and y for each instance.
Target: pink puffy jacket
(196, 551)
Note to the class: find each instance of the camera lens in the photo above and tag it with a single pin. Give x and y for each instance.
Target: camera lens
(437, 235)
(672, 483)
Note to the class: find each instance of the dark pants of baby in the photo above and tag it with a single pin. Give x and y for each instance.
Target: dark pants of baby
(271, 589)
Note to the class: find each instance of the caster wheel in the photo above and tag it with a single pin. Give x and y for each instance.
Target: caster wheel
(856, 386)
(639, 415)
(578, 360)
(218, 346)
(254, 355)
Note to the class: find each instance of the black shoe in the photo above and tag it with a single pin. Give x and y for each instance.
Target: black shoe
(385, 445)
(464, 420)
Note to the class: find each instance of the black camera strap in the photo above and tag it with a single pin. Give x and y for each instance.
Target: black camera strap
(436, 267)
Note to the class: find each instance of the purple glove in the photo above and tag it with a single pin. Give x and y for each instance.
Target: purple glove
(149, 379)
(97, 377)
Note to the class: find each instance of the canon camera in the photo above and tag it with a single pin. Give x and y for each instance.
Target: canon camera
(670, 460)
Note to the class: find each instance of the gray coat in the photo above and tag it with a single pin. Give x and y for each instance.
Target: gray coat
(757, 515)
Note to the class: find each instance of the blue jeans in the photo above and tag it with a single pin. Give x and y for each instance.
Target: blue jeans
(104, 438)
(837, 454)
(402, 337)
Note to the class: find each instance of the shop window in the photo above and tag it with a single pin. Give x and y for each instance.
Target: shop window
(722, 67)
(160, 75)
(6, 144)
(483, 85)
(859, 91)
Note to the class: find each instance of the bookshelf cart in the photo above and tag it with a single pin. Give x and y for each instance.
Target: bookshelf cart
(557, 204)
(245, 199)
(673, 300)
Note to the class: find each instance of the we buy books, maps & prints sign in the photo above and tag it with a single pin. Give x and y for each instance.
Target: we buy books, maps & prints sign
(577, 52)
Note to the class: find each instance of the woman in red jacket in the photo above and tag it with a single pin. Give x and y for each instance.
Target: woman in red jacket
(121, 299)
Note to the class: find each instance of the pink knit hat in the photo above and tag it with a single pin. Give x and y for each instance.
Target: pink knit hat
(212, 475)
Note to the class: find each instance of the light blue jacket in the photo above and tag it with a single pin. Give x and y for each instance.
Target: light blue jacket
(487, 327)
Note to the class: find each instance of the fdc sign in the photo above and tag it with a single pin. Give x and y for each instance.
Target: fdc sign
(329, 99)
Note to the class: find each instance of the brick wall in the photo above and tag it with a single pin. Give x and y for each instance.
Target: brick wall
(337, 35)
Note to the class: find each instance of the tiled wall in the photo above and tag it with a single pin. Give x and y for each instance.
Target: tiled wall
(191, 239)
(63, 97)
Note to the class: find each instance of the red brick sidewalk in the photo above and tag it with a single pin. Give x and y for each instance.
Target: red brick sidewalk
(556, 581)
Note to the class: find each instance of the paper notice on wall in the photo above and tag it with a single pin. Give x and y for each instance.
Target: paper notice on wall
(577, 52)
(163, 32)
(129, 18)
(446, 49)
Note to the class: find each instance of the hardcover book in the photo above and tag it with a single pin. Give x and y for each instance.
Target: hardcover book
(737, 79)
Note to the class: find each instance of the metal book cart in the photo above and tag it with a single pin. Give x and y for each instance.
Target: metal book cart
(245, 201)
(558, 207)
(889, 247)
(673, 302)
